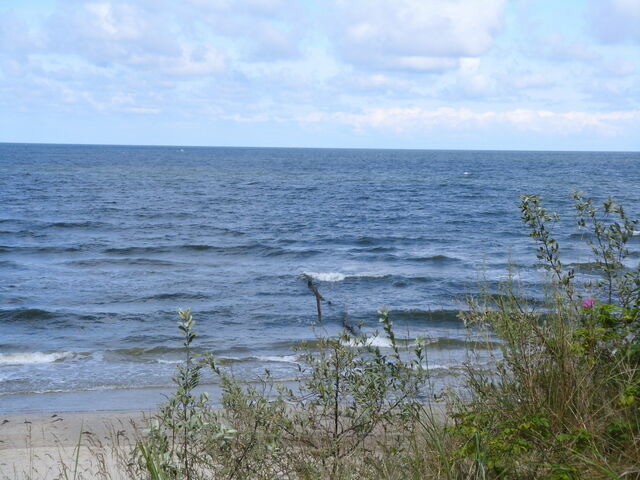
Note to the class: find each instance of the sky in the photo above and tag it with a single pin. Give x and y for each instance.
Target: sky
(432, 74)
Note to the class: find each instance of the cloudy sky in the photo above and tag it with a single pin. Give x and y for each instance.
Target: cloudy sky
(490, 74)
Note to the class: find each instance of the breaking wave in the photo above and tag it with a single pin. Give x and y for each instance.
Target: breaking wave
(28, 358)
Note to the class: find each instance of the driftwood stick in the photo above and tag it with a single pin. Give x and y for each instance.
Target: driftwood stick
(316, 293)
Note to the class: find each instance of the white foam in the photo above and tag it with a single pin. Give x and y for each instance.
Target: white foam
(381, 342)
(279, 358)
(339, 277)
(170, 362)
(432, 366)
(33, 357)
(326, 276)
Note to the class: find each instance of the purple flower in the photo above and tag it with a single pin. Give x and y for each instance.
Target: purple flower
(588, 302)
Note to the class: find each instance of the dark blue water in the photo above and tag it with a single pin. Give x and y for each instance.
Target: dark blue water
(99, 247)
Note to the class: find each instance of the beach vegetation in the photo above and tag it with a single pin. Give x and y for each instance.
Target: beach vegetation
(353, 405)
(562, 402)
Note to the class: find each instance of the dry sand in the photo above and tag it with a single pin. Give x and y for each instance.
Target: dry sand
(42, 446)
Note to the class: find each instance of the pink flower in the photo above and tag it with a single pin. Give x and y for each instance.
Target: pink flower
(588, 302)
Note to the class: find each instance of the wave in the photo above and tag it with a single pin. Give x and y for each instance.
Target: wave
(23, 233)
(252, 249)
(175, 296)
(404, 281)
(8, 264)
(446, 343)
(369, 241)
(381, 342)
(525, 301)
(391, 257)
(227, 360)
(595, 268)
(96, 262)
(586, 267)
(163, 355)
(435, 366)
(147, 250)
(373, 249)
(339, 277)
(99, 388)
(413, 314)
(80, 224)
(139, 351)
(168, 362)
(43, 249)
(41, 224)
(27, 314)
(278, 252)
(432, 258)
(278, 358)
(441, 343)
(325, 276)
(139, 355)
(29, 358)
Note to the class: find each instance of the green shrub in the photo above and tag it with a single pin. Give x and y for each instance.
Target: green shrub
(563, 400)
(352, 404)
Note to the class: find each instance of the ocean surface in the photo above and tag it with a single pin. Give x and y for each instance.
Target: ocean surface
(100, 246)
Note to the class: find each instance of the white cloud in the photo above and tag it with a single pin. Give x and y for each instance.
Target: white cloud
(423, 35)
(416, 119)
(373, 84)
(116, 32)
(472, 81)
(261, 30)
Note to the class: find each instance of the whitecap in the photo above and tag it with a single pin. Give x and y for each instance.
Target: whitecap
(339, 277)
(34, 357)
(433, 366)
(381, 342)
(326, 276)
(279, 358)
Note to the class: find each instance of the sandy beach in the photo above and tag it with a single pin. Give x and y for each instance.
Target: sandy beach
(43, 446)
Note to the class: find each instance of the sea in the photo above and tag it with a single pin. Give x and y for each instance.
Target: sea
(101, 245)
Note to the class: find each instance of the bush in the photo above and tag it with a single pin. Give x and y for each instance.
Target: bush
(563, 400)
(352, 406)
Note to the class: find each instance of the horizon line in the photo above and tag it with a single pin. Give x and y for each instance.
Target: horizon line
(312, 148)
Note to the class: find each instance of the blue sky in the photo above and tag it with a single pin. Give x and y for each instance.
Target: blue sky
(487, 74)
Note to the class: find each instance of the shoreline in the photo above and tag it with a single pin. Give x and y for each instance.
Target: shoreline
(83, 401)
